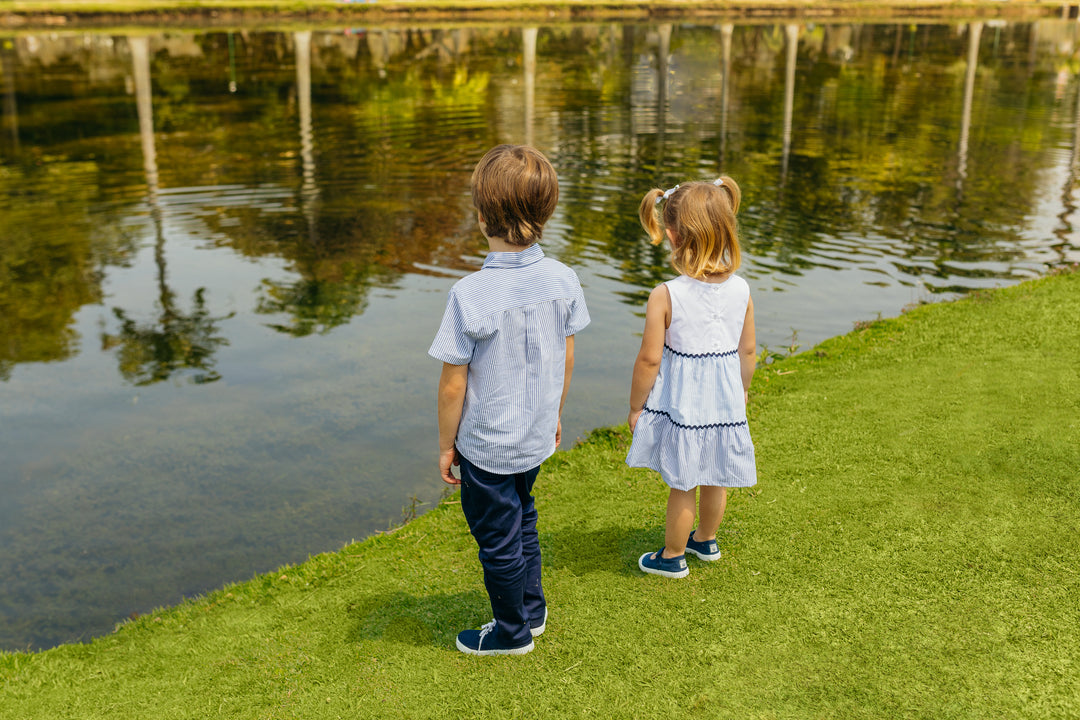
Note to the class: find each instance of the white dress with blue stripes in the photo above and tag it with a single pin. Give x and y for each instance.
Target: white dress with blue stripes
(693, 429)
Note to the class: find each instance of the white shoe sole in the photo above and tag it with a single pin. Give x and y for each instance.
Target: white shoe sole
(703, 556)
(655, 571)
(500, 651)
(538, 631)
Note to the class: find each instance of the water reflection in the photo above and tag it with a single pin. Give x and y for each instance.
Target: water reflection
(308, 191)
(174, 342)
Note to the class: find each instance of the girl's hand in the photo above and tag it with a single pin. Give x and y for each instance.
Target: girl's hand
(447, 458)
(745, 397)
(558, 433)
(633, 418)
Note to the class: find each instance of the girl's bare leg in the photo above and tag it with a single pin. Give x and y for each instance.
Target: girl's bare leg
(680, 521)
(713, 503)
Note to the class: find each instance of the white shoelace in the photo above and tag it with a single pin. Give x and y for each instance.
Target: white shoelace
(485, 629)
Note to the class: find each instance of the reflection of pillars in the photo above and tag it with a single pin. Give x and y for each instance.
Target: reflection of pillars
(379, 47)
(725, 75)
(232, 64)
(1033, 48)
(144, 103)
(528, 41)
(628, 56)
(661, 96)
(11, 111)
(974, 33)
(1065, 233)
(792, 33)
(308, 190)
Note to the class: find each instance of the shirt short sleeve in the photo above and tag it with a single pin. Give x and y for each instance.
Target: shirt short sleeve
(578, 317)
(452, 345)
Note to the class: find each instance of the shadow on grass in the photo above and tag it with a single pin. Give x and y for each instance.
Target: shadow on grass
(612, 549)
(432, 619)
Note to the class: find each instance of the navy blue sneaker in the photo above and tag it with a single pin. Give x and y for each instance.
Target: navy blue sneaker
(657, 564)
(484, 642)
(707, 550)
(538, 630)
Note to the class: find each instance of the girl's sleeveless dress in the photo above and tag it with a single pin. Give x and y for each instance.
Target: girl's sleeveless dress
(693, 429)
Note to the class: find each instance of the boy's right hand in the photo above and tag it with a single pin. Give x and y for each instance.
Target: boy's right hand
(448, 458)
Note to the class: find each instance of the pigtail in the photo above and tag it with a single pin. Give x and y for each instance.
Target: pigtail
(730, 252)
(649, 215)
(732, 189)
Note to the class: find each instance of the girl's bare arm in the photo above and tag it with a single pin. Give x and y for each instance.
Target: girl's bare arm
(748, 349)
(647, 365)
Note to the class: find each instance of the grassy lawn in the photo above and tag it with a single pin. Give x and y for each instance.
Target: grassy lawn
(910, 551)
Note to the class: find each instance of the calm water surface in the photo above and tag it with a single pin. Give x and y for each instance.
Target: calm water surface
(223, 255)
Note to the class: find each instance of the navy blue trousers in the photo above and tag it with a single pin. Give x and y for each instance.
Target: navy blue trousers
(502, 518)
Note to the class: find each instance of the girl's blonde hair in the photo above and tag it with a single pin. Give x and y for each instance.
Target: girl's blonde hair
(701, 218)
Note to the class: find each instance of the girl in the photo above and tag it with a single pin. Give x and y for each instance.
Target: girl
(689, 391)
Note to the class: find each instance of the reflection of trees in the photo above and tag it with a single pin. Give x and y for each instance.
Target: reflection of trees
(389, 202)
(376, 185)
(51, 258)
(314, 305)
(152, 352)
(46, 275)
(175, 342)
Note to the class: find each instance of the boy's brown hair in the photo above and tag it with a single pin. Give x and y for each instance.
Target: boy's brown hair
(515, 190)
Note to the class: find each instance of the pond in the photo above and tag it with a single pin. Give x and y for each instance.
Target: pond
(223, 255)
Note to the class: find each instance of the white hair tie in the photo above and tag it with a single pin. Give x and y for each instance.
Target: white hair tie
(667, 194)
(718, 182)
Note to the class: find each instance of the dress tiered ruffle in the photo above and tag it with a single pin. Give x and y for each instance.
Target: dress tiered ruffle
(693, 429)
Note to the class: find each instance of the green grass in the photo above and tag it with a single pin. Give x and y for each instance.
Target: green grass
(910, 551)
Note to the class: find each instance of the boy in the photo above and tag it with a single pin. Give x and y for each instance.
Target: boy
(507, 347)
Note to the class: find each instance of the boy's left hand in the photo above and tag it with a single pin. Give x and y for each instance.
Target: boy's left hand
(448, 458)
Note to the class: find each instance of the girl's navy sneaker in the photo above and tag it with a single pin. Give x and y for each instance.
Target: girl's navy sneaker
(657, 564)
(707, 550)
(485, 642)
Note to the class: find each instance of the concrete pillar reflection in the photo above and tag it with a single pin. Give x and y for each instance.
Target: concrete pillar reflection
(792, 35)
(528, 43)
(662, 90)
(726, 31)
(1065, 233)
(974, 35)
(308, 190)
(11, 109)
(144, 104)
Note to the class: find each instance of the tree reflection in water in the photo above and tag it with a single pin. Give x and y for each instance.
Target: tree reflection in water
(175, 342)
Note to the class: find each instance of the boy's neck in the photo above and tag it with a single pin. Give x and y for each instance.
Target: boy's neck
(499, 245)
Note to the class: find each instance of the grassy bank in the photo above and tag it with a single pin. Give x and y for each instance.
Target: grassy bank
(910, 551)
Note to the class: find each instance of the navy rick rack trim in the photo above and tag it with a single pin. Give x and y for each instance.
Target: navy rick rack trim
(701, 355)
(693, 427)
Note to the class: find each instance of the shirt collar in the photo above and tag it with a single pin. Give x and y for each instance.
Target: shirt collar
(520, 258)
